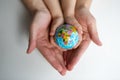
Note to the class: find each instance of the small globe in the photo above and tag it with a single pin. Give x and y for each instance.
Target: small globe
(66, 36)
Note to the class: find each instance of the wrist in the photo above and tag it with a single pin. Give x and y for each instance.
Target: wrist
(81, 8)
(34, 6)
(83, 4)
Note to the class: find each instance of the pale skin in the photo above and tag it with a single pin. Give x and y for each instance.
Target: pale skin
(56, 12)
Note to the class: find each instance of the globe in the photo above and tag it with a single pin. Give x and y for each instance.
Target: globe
(66, 36)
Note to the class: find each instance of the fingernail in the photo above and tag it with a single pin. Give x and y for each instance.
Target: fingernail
(60, 69)
(100, 44)
(81, 32)
(27, 51)
(63, 73)
(69, 67)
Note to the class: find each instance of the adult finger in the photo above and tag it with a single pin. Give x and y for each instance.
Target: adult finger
(93, 32)
(77, 53)
(52, 56)
(32, 40)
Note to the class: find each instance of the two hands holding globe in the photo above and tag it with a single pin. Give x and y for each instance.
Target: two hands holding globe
(43, 36)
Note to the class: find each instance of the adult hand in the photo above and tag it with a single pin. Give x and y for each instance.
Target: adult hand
(87, 24)
(39, 38)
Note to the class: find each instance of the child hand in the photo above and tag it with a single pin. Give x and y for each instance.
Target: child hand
(69, 16)
(58, 17)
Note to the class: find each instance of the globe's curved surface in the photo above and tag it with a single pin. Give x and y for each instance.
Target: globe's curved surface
(66, 36)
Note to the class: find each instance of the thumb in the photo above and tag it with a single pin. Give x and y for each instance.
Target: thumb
(57, 21)
(93, 33)
(32, 41)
